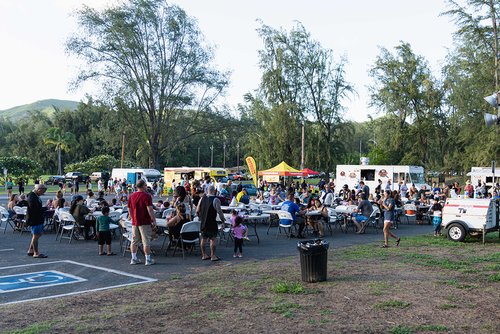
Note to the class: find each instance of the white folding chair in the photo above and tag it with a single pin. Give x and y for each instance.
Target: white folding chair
(410, 210)
(6, 220)
(284, 216)
(20, 219)
(67, 223)
(373, 220)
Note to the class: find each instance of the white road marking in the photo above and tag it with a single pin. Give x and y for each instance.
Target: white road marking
(6, 249)
(76, 279)
(118, 272)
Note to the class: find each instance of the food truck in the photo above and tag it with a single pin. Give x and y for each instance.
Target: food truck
(370, 174)
(187, 173)
(485, 175)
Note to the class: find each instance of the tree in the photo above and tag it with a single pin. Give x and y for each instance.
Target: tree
(20, 166)
(151, 62)
(62, 142)
(405, 88)
(302, 78)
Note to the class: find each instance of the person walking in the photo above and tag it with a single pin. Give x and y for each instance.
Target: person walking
(208, 208)
(140, 207)
(35, 218)
(388, 204)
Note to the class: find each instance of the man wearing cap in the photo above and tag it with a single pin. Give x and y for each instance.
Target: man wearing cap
(208, 209)
(140, 207)
(35, 218)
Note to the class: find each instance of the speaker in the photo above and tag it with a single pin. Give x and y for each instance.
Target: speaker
(490, 119)
(492, 99)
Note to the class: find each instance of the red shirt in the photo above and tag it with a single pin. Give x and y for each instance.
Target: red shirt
(138, 208)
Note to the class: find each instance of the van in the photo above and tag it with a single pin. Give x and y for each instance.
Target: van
(467, 216)
(99, 175)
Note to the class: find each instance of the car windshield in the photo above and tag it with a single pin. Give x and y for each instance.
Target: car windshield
(417, 178)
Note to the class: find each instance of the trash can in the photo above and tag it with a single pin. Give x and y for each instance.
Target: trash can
(313, 259)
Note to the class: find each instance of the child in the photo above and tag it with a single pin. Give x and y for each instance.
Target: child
(234, 214)
(239, 231)
(103, 232)
(435, 211)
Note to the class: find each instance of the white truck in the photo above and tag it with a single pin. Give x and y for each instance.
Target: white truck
(370, 174)
(132, 175)
(467, 216)
(483, 174)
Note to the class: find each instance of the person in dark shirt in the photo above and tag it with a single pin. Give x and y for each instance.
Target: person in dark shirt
(35, 218)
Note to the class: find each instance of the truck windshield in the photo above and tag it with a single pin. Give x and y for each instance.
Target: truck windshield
(152, 178)
(417, 178)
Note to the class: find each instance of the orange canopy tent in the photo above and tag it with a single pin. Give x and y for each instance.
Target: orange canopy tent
(307, 172)
(282, 169)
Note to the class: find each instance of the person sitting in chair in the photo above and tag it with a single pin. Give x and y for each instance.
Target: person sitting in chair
(362, 213)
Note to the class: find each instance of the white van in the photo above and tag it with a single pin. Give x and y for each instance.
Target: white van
(462, 216)
(146, 174)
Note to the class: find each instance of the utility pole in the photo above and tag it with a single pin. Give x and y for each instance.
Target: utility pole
(224, 161)
(495, 42)
(212, 156)
(302, 144)
(238, 156)
(198, 156)
(123, 148)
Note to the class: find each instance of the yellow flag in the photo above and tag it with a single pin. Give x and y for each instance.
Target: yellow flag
(252, 168)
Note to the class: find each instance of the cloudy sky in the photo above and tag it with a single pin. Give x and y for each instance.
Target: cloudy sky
(34, 66)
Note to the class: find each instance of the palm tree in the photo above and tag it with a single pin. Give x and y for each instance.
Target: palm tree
(62, 141)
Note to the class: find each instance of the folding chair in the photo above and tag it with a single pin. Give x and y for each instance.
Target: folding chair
(373, 220)
(334, 220)
(410, 210)
(287, 216)
(6, 219)
(190, 235)
(67, 223)
(20, 219)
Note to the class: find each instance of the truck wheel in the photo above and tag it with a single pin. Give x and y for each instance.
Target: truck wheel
(456, 232)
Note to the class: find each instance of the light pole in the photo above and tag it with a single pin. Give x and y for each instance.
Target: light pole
(198, 156)
(302, 144)
(238, 156)
(212, 156)
(123, 148)
(224, 161)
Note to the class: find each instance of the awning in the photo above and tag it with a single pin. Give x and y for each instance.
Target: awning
(282, 169)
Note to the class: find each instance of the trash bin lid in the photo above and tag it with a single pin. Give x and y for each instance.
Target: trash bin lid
(313, 244)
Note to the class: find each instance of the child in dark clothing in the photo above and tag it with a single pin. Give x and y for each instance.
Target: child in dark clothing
(103, 232)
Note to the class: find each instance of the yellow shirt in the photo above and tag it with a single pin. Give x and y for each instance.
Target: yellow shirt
(240, 195)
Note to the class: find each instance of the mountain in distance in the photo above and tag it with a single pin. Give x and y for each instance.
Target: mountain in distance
(45, 106)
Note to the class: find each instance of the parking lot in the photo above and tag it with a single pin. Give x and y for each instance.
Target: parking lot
(79, 268)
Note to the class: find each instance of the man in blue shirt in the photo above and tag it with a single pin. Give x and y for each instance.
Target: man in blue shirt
(292, 207)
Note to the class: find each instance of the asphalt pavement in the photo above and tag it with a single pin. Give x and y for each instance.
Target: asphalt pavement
(93, 272)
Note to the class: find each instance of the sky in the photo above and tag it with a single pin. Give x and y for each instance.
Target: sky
(34, 65)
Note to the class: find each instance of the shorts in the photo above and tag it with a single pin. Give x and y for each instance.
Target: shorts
(104, 238)
(360, 218)
(37, 229)
(142, 233)
(209, 234)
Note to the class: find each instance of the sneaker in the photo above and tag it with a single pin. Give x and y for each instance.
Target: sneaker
(234, 255)
(240, 255)
(149, 263)
(136, 261)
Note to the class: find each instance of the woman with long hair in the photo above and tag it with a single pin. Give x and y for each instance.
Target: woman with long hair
(181, 196)
(387, 204)
(79, 211)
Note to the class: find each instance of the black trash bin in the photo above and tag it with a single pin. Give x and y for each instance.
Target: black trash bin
(313, 260)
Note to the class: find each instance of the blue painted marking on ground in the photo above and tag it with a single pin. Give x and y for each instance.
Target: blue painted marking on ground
(34, 280)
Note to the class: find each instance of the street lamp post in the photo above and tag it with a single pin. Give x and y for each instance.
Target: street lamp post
(238, 156)
(123, 148)
(212, 156)
(224, 161)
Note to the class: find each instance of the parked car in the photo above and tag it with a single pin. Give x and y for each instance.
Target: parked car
(54, 179)
(251, 189)
(71, 176)
(99, 175)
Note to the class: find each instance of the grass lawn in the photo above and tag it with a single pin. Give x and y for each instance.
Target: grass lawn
(427, 285)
